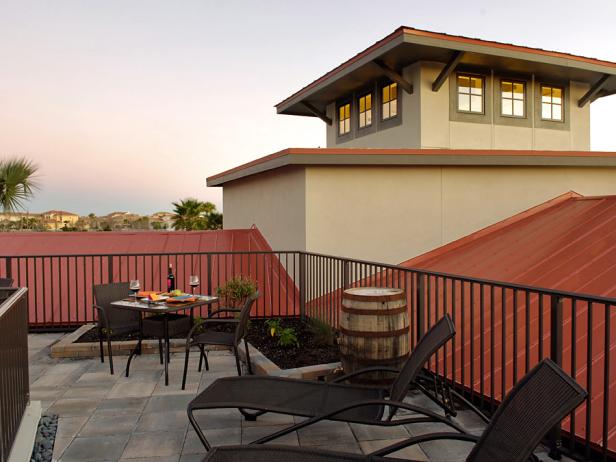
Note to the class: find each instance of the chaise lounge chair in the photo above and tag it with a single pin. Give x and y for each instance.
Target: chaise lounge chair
(537, 403)
(309, 398)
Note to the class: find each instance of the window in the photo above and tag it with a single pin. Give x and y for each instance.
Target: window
(551, 103)
(512, 99)
(365, 111)
(390, 101)
(470, 94)
(344, 119)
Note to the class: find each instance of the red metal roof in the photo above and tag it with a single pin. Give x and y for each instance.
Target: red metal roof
(568, 243)
(90, 243)
(60, 269)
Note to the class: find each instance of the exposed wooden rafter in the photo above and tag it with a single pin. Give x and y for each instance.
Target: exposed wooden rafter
(447, 70)
(320, 114)
(395, 76)
(594, 90)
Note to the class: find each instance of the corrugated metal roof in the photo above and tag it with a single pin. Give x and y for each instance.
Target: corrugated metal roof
(60, 269)
(61, 243)
(567, 244)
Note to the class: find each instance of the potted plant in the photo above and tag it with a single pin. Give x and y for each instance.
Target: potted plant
(235, 291)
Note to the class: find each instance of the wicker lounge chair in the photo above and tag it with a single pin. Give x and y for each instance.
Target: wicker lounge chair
(310, 398)
(535, 405)
(117, 321)
(211, 337)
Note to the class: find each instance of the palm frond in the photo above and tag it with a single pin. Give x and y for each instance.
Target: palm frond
(17, 183)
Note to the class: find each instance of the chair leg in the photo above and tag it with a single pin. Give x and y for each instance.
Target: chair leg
(203, 357)
(109, 352)
(100, 344)
(248, 357)
(160, 349)
(185, 366)
(237, 361)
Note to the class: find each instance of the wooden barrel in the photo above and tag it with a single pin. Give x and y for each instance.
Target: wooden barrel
(374, 331)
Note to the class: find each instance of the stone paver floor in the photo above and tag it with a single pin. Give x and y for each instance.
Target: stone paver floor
(115, 418)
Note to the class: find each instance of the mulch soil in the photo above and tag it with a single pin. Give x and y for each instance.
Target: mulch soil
(309, 352)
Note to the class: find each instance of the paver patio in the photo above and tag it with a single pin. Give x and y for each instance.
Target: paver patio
(114, 418)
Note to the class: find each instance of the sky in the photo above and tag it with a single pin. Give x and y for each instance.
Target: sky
(130, 105)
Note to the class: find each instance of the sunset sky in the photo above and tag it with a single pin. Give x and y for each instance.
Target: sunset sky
(129, 105)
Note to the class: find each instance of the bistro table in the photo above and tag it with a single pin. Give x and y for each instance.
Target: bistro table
(164, 309)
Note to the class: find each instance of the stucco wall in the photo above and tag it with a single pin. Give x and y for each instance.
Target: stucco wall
(427, 119)
(392, 214)
(274, 201)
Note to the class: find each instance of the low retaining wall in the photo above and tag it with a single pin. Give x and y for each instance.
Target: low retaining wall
(67, 348)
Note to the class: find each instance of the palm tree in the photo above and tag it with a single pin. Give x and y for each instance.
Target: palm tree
(16, 183)
(192, 214)
(188, 214)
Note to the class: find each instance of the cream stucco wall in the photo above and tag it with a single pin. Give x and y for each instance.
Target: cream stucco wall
(427, 122)
(390, 214)
(274, 201)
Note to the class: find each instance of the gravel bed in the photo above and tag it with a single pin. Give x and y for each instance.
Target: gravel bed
(45, 438)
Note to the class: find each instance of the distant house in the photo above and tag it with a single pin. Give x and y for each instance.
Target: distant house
(430, 137)
(161, 220)
(55, 220)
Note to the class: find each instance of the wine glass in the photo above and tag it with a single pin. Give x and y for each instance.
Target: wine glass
(193, 281)
(134, 286)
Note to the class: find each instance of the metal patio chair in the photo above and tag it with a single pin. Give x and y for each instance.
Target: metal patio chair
(116, 321)
(309, 398)
(211, 337)
(536, 404)
(6, 282)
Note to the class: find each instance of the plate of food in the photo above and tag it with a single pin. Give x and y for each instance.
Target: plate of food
(155, 297)
(182, 299)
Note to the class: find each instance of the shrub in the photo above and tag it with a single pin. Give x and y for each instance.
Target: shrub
(287, 338)
(236, 290)
(273, 326)
(321, 331)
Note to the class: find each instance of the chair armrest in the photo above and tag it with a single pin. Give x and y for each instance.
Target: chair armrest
(102, 315)
(224, 310)
(422, 439)
(365, 370)
(429, 417)
(219, 321)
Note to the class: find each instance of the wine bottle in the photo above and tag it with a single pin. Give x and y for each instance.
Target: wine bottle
(170, 279)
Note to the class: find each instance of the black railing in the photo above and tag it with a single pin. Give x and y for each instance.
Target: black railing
(503, 329)
(14, 385)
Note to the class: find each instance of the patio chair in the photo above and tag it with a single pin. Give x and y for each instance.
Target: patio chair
(116, 321)
(536, 404)
(6, 282)
(211, 337)
(309, 398)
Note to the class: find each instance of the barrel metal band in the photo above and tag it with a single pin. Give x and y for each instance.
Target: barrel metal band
(402, 309)
(376, 334)
(374, 298)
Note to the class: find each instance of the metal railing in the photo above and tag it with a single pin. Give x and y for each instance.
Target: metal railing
(503, 329)
(14, 385)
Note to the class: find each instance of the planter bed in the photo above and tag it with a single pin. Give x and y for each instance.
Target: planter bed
(309, 360)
